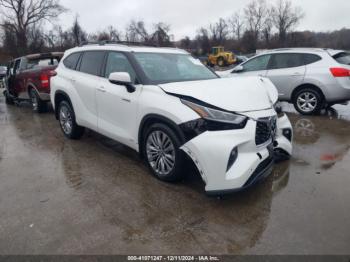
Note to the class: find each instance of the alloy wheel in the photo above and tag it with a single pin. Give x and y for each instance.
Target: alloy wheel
(161, 152)
(66, 120)
(307, 102)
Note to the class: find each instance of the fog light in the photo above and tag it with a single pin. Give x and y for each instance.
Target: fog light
(287, 133)
(232, 159)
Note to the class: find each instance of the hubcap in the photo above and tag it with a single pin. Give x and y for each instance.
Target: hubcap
(66, 120)
(160, 152)
(307, 102)
(34, 101)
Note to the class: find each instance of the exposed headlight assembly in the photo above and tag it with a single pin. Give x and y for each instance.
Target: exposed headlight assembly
(210, 120)
(215, 115)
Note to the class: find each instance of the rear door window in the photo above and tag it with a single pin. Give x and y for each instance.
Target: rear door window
(286, 60)
(343, 58)
(92, 62)
(257, 64)
(71, 61)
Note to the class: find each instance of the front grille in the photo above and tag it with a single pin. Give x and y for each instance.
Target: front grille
(265, 130)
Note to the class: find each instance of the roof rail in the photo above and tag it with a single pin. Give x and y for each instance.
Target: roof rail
(109, 42)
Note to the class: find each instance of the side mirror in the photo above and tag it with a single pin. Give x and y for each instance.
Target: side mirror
(238, 69)
(123, 79)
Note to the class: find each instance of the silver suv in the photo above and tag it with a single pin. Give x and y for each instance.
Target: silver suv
(311, 79)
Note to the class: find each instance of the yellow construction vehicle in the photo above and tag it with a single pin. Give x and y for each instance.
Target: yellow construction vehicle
(219, 57)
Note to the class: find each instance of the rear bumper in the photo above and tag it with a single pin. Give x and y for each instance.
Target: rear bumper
(44, 97)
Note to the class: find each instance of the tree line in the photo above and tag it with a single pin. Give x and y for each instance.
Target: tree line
(258, 26)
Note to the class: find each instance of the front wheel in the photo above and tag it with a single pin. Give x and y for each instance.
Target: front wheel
(308, 101)
(68, 124)
(162, 152)
(8, 98)
(221, 62)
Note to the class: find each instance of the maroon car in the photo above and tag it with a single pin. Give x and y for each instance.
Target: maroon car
(28, 78)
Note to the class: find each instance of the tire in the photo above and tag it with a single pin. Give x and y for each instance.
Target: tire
(38, 105)
(221, 62)
(161, 150)
(308, 101)
(69, 126)
(8, 99)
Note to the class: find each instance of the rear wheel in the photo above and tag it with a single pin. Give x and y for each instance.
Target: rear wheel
(38, 105)
(162, 152)
(308, 101)
(68, 124)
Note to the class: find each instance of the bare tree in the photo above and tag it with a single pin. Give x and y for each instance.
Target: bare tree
(255, 13)
(285, 17)
(203, 40)
(23, 14)
(136, 32)
(219, 31)
(267, 27)
(237, 25)
(161, 36)
(79, 35)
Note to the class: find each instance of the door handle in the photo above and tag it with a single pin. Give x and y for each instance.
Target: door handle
(296, 74)
(73, 80)
(101, 89)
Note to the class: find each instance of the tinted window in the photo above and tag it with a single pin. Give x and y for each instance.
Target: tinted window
(279, 61)
(257, 64)
(310, 58)
(71, 61)
(118, 62)
(92, 62)
(343, 58)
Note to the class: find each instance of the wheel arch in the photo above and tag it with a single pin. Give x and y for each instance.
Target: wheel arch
(151, 119)
(31, 86)
(307, 85)
(59, 97)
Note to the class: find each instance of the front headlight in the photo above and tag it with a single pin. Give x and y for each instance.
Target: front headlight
(216, 115)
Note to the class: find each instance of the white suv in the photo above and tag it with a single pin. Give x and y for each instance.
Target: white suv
(310, 78)
(165, 104)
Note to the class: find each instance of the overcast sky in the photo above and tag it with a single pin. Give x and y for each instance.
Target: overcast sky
(186, 16)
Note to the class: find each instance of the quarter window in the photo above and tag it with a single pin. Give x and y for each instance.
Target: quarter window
(118, 62)
(310, 59)
(280, 61)
(92, 62)
(71, 61)
(257, 64)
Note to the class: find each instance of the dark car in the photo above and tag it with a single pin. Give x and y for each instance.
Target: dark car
(28, 78)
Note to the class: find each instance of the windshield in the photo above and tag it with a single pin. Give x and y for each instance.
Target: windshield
(163, 68)
(343, 58)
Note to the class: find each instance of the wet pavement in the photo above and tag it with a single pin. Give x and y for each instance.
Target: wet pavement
(95, 196)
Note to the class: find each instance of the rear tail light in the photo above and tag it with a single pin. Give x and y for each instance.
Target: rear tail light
(45, 78)
(340, 72)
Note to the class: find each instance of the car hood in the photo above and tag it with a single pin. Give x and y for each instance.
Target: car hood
(239, 94)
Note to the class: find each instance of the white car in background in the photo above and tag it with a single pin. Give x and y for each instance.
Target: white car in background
(165, 104)
(310, 78)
